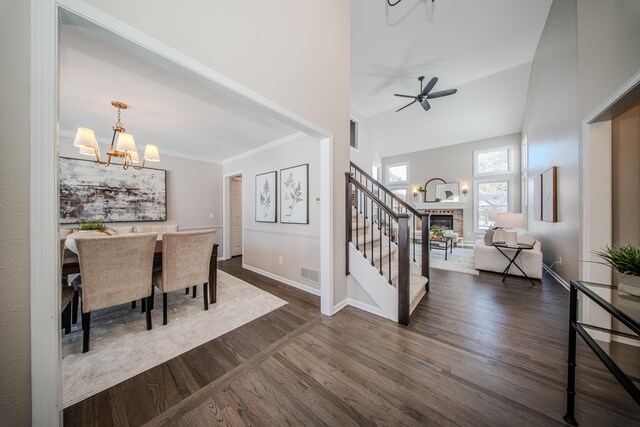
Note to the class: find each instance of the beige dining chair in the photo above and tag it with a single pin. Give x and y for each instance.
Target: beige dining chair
(115, 270)
(160, 229)
(185, 262)
(66, 296)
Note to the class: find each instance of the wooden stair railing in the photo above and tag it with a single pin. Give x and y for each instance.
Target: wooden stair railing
(394, 226)
(400, 206)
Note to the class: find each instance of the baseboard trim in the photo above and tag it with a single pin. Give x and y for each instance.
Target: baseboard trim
(358, 304)
(339, 306)
(555, 275)
(366, 307)
(284, 280)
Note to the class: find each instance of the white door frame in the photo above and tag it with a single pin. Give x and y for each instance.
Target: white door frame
(597, 218)
(226, 213)
(46, 362)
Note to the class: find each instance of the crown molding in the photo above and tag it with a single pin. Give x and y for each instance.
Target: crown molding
(268, 146)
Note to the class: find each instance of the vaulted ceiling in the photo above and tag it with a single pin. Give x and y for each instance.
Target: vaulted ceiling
(484, 48)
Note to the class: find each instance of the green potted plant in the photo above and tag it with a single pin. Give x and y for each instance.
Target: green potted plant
(626, 260)
(94, 226)
(87, 228)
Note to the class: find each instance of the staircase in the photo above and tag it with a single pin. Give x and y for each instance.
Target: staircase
(379, 244)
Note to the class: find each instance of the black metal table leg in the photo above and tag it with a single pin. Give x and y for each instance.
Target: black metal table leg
(571, 360)
(512, 261)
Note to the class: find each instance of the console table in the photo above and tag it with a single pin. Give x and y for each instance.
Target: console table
(626, 309)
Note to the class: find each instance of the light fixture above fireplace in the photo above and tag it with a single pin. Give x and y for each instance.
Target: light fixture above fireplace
(122, 144)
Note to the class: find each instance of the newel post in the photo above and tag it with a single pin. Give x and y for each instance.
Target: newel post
(348, 216)
(404, 272)
(426, 231)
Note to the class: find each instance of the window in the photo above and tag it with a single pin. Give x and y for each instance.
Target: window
(493, 184)
(401, 193)
(494, 161)
(398, 173)
(353, 142)
(375, 171)
(492, 196)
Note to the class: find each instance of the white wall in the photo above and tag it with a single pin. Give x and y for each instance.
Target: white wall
(296, 54)
(454, 163)
(194, 188)
(264, 243)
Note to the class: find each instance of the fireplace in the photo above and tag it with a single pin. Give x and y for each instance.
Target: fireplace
(442, 221)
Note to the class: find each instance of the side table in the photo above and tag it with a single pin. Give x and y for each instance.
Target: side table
(516, 254)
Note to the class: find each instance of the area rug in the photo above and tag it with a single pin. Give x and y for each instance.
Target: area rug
(461, 260)
(121, 347)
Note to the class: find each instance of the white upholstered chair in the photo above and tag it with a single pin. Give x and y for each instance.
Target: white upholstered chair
(185, 263)
(115, 270)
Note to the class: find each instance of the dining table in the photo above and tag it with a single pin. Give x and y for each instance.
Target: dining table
(71, 265)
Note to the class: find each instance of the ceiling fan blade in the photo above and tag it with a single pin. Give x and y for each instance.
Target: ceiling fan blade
(425, 104)
(404, 96)
(442, 93)
(429, 86)
(411, 103)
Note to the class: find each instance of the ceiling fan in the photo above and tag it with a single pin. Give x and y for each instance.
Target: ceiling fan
(425, 94)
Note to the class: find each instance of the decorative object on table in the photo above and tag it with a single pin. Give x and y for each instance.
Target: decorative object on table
(88, 193)
(437, 232)
(87, 229)
(425, 94)
(431, 189)
(626, 261)
(537, 198)
(122, 144)
(95, 226)
(266, 197)
(448, 192)
(509, 221)
(294, 195)
(549, 195)
(489, 235)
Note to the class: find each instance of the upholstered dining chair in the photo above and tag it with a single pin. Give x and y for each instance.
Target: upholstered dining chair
(185, 262)
(115, 270)
(160, 229)
(66, 296)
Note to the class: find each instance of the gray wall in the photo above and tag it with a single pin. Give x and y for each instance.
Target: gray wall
(15, 378)
(454, 163)
(587, 50)
(551, 126)
(264, 243)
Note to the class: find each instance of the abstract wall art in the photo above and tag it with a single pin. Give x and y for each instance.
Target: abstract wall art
(294, 195)
(266, 197)
(91, 192)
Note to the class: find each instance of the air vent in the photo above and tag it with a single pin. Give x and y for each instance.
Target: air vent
(309, 274)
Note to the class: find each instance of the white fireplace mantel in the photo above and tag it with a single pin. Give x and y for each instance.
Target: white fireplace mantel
(440, 205)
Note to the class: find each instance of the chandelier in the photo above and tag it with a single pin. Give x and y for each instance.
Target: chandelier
(122, 144)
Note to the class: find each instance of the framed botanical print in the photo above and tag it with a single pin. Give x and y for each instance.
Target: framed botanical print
(266, 197)
(294, 195)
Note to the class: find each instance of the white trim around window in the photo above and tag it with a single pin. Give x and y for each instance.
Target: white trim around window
(386, 173)
(476, 195)
(476, 153)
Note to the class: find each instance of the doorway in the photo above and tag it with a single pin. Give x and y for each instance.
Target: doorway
(235, 214)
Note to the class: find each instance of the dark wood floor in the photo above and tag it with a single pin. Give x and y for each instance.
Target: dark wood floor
(476, 353)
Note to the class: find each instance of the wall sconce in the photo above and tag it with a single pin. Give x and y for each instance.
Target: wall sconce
(415, 192)
(464, 190)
